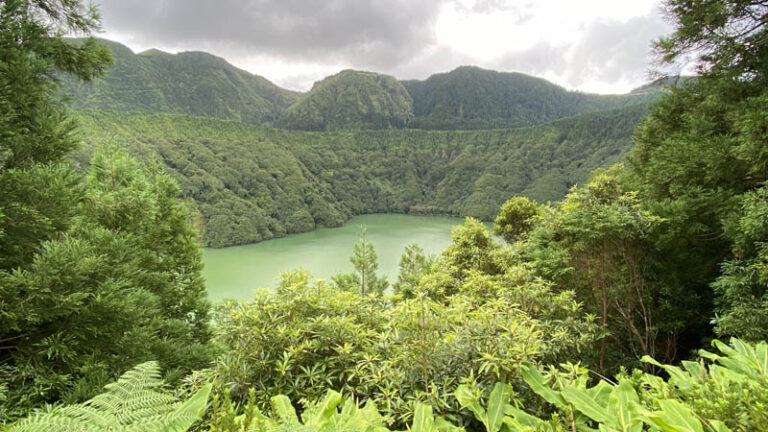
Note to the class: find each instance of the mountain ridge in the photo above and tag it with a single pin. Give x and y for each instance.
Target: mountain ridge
(351, 99)
(190, 82)
(202, 84)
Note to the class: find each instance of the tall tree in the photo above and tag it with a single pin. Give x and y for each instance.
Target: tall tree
(365, 279)
(413, 265)
(701, 159)
(95, 275)
(37, 195)
(597, 243)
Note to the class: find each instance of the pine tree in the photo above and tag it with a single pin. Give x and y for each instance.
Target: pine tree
(96, 274)
(365, 279)
(700, 163)
(37, 196)
(413, 265)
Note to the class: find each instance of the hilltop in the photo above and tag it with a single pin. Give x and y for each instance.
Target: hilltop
(194, 83)
(351, 100)
(200, 84)
(473, 98)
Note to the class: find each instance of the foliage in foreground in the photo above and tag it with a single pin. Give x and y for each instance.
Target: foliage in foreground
(98, 271)
(474, 317)
(134, 403)
(332, 413)
(719, 393)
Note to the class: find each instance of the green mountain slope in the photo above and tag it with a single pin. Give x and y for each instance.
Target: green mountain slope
(351, 100)
(249, 184)
(200, 84)
(474, 98)
(193, 83)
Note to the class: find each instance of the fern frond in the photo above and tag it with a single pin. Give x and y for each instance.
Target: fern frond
(180, 419)
(135, 403)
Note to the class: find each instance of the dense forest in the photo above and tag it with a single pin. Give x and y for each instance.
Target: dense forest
(200, 84)
(638, 302)
(351, 100)
(194, 83)
(197, 115)
(474, 98)
(250, 184)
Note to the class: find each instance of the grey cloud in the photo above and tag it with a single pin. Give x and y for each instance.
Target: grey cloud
(612, 52)
(395, 37)
(431, 60)
(367, 32)
(522, 9)
(609, 52)
(537, 60)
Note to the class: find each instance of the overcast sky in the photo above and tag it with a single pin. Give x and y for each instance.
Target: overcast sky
(598, 46)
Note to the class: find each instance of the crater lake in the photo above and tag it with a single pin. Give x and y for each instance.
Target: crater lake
(236, 272)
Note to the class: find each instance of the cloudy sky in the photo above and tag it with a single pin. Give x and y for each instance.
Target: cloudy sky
(598, 46)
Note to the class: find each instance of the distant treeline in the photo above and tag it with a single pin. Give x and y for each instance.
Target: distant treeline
(249, 184)
(200, 84)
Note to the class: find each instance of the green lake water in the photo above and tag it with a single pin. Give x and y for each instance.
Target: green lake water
(236, 272)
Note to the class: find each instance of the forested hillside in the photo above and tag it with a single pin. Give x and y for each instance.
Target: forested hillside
(251, 184)
(351, 100)
(474, 98)
(193, 83)
(200, 84)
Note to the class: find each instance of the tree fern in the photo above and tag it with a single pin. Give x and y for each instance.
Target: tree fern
(134, 403)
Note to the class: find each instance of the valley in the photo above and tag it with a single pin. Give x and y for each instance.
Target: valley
(186, 246)
(249, 184)
(258, 162)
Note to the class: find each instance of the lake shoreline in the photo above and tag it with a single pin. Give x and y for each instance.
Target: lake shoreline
(237, 271)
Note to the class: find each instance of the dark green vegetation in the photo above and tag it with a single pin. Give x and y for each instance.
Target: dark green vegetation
(192, 83)
(98, 272)
(200, 84)
(351, 100)
(630, 274)
(250, 184)
(136, 402)
(687, 401)
(474, 98)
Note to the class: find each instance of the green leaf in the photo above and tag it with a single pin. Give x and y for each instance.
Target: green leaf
(621, 404)
(282, 407)
(496, 405)
(324, 411)
(673, 416)
(535, 380)
(584, 404)
(467, 400)
(601, 393)
(718, 426)
(444, 425)
(513, 425)
(522, 417)
(423, 421)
